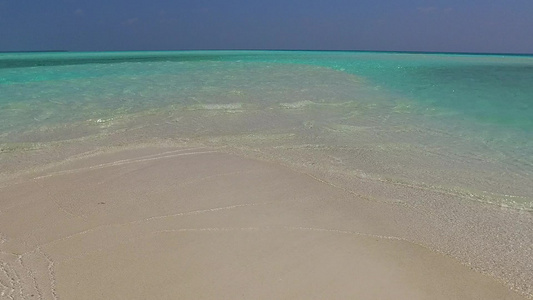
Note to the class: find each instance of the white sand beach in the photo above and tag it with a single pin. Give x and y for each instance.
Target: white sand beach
(197, 223)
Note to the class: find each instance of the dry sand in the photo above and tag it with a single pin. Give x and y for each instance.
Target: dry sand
(193, 223)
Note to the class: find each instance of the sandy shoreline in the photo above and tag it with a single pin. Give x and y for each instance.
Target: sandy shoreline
(195, 223)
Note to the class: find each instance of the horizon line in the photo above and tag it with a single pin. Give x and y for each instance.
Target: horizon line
(280, 50)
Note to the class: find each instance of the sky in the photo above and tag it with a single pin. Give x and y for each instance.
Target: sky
(503, 26)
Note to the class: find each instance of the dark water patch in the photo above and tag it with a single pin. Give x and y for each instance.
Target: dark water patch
(64, 59)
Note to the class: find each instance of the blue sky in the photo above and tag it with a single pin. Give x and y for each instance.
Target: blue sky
(398, 25)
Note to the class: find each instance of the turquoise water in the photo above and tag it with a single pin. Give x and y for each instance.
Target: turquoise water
(461, 123)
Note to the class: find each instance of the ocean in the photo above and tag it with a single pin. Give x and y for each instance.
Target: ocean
(456, 123)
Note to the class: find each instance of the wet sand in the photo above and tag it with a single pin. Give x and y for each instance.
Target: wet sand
(196, 223)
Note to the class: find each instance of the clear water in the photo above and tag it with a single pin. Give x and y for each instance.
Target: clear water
(457, 123)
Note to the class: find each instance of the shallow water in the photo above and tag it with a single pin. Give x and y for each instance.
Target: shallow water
(461, 123)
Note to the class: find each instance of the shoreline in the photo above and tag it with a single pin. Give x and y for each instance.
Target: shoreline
(450, 172)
